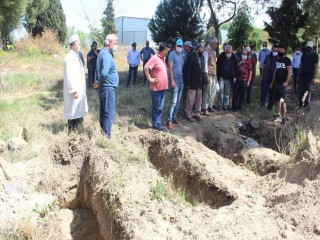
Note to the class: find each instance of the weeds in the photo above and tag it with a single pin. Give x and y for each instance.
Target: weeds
(158, 190)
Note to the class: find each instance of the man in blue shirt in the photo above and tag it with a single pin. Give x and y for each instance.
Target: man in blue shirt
(107, 80)
(133, 59)
(145, 55)
(92, 63)
(264, 52)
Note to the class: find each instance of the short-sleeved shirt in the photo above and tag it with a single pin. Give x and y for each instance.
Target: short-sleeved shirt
(91, 65)
(146, 52)
(281, 69)
(158, 70)
(243, 70)
(178, 61)
(308, 61)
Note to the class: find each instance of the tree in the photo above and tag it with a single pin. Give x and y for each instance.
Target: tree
(177, 19)
(285, 23)
(53, 18)
(312, 28)
(34, 9)
(240, 29)
(107, 20)
(10, 15)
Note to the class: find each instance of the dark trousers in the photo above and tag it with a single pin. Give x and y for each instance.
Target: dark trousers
(295, 76)
(74, 124)
(248, 94)
(263, 94)
(303, 86)
(107, 108)
(91, 77)
(134, 70)
(144, 75)
(239, 88)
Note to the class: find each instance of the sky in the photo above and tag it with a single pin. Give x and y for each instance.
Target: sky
(76, 10)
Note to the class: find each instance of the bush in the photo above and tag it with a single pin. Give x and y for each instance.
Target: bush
(47, 43)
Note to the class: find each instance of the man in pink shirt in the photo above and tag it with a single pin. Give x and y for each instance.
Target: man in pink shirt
(156, 73)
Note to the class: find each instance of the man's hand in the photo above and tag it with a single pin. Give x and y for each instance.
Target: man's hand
(153, 80)
(234, 80)
(75, 95)
(313, 80)
(95, 85)
(248, 84)
(172, 84)
(285, 84)
(270, 86)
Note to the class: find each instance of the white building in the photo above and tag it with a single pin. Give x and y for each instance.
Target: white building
(132, 29)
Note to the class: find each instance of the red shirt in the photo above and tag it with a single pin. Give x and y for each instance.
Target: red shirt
(243, 69)
(158, 70)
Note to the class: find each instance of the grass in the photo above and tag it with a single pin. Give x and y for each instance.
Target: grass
(158, 190)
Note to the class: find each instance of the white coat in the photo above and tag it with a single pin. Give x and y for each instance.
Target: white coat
(74, 81)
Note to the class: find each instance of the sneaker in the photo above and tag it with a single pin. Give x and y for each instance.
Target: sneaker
(197, 118)
(162, 129)
(169, 126)
(205, 112)
(283, 121)
(278, 119)
(189, 120)
(176, 122)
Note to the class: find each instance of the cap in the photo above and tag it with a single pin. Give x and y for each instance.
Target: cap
(310, 44)
(248, 49)
(134, 44)
(179, 42)
(73, 38)
(188, 43)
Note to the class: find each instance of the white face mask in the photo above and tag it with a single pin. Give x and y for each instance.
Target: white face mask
(264, 48)
(228, 55)
(274, 53)
(298, 52)
(244, 57)
(179, 49)
(115, 47)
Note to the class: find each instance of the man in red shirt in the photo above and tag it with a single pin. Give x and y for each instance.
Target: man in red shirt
(243, 79)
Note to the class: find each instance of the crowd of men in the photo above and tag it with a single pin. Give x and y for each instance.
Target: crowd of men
(199, 81)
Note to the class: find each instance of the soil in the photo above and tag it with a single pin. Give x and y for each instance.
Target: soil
(201, 181)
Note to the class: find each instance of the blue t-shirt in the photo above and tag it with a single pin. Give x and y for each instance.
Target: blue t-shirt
(146, 52)
(106, 72)
(91, 65)
(178, 61)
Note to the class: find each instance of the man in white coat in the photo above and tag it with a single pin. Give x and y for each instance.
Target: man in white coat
(74, 87)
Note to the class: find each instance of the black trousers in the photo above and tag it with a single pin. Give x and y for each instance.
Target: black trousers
(74, 124)
(303, 86)
(239, 88)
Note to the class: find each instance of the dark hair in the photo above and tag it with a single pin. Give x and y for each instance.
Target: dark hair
(199, 45)
(264, 42)
(94, 42)
(281, 45)
(162, 46)
(275, 45)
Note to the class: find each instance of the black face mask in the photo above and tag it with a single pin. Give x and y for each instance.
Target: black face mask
(309, 49)
(200, 54)
(281, 54)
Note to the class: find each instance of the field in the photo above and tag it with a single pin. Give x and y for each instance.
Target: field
(202, 180)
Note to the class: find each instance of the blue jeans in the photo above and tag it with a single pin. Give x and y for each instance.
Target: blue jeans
(107, 107)
(295, 82)
(134, 70)
(264, 92)
(176, 94)
(157, 105)
(224, 93)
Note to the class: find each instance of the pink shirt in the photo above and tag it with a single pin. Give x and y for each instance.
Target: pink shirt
(158, 70)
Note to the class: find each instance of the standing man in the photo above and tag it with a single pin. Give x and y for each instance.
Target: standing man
(226, 69)
(307, 74)
(280, 83)
(248, 88)
(264, 52)
(145, 55)
(296, 59)
(74, 87)
(243, 76)
(266, 77)
(107, 81)
(210, 76)
(194, 82)
(92, 63)
(133, 59)
(156, 72)
(175, 67)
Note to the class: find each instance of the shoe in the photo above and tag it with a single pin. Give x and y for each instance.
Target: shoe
(205, 112)
(197, 118)
(169, 126)
(224, 109)
(162, 129)
(176, 122)
(278, 119)
(189, 120)
(210, 110)
(283, 121)
(219, 109)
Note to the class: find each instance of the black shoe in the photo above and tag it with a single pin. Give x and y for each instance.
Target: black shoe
(189, 120)
(219, 109)
(162, 129)
(283, 121)
(197, 118)
(224, 109)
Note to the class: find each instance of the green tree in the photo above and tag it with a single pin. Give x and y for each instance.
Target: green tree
(285, 23)
(240, 29)
(177, 19)
(53, 18)
(34, 9)
(256, 37)
(312, 28)
(107, 20)
(10, 15)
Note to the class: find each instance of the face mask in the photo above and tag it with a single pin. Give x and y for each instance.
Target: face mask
(281, 54)
(115, 47)
(228, 55)
(264, 48)
(244, 57)
(179, 49)
(274, 53)
(308, 49)
(298, 52)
